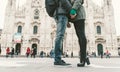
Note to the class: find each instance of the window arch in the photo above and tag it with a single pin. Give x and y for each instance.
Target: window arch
(98, 30)
(35, 29)
(19, 29)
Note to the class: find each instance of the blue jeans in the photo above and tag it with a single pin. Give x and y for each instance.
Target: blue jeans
(61, 21)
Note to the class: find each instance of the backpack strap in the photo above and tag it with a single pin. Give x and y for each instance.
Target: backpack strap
(57, 2)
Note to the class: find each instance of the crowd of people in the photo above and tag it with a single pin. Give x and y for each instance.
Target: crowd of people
(32, 52)
(8, 52)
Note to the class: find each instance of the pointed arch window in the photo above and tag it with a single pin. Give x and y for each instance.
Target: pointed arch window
(35, 29)
(98, 30)
(19, 29)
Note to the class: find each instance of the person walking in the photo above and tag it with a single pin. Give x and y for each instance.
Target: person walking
(0, 50)
(78, 17)
(7, 51)
(34, 52)
(60, 16)
(101, 54)
(31, 52)
(28, 52)
(12, 52)
(107, 54)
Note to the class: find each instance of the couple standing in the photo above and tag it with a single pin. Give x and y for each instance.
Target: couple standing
(77, 16)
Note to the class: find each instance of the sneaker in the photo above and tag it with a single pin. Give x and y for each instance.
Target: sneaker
(63, 63)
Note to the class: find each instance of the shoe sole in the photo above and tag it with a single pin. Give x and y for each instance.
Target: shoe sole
(78, 65)
(62, 64)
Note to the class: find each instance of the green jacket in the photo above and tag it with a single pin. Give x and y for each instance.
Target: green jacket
(77, 5)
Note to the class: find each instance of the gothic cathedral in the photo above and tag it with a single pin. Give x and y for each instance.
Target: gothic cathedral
(30, 26)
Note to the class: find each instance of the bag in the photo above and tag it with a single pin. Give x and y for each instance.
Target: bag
(51, 6)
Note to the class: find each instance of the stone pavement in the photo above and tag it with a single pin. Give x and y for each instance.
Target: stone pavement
(46, 65)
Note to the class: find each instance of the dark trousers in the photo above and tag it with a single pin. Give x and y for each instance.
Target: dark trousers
(80, 32)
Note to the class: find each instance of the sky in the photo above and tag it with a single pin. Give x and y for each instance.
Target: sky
(99, 2)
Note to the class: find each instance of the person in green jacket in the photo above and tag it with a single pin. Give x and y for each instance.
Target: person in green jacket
(78, 17)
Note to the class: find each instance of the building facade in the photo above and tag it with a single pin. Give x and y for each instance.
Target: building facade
(30, 26)
(0, 39)
(118, 44)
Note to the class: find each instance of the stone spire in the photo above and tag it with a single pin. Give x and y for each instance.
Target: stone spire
(11, 6)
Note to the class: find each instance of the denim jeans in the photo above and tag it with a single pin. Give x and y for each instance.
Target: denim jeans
(61, 21)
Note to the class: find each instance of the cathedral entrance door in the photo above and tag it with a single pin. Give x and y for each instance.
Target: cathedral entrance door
(18, 48)
(34, 46)
(100, 49)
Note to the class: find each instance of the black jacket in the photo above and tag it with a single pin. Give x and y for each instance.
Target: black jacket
(64, 7)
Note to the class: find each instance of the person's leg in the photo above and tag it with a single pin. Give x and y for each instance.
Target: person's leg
(6, 55)
(80, 31)
(61, 21)
(27, 54)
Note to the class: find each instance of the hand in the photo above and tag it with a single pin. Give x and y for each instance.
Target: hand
(73, 16)
(68, 25)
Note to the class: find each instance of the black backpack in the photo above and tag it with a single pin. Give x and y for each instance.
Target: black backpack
(51, 6)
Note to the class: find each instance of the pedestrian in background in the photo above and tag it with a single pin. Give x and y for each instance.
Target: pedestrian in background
(7, 51)
(31, 52)
(28, 52)
(107, 54)
(101, 54)
(12, 52)
(0, 50)
(34, 52)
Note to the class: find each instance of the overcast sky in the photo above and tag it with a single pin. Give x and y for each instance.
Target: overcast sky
(116, 5)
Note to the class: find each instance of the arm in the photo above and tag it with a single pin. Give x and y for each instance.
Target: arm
(77, 4)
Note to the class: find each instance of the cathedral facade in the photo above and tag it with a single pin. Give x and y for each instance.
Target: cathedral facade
(30, 26)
